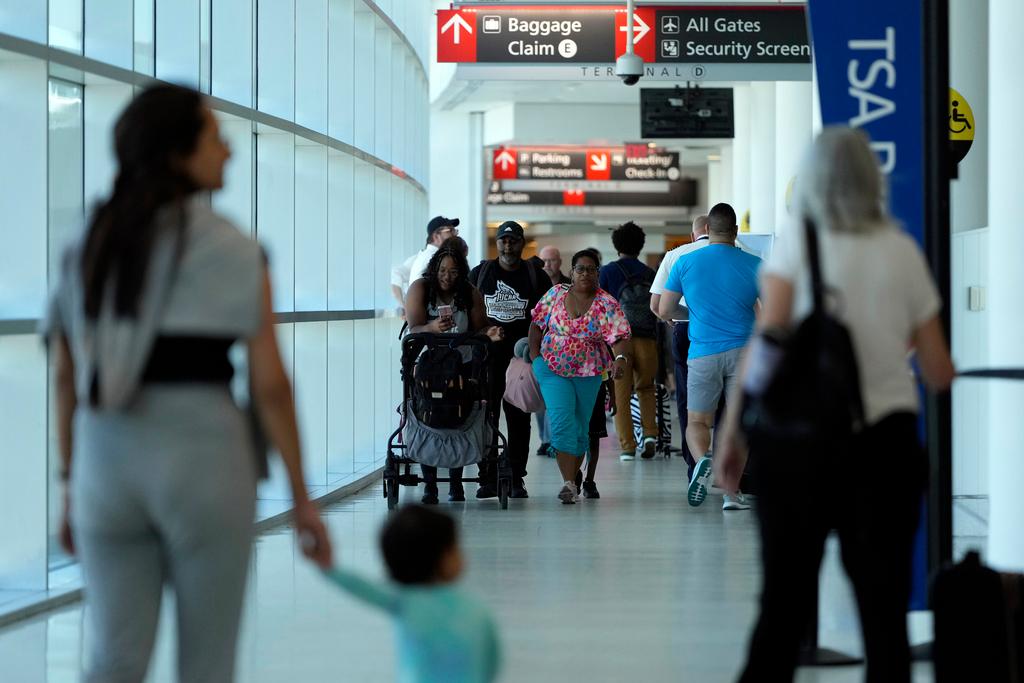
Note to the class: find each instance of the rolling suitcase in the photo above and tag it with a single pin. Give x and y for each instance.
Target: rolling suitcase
(979, 634)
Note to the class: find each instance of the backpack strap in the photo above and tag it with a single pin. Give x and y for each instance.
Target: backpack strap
(814, 258)
(485, 270)
(625, 274)
(532, 271)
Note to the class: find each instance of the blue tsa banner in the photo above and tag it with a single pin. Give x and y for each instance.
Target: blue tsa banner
(870, 69)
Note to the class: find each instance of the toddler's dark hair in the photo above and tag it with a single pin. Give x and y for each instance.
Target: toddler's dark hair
(413, 541)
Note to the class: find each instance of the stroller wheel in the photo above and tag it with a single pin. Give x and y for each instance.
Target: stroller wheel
(504, 486)
(391, 492)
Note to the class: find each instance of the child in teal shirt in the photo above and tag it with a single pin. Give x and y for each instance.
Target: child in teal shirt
(444, 635)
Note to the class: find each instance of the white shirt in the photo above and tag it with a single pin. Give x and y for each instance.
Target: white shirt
(883, 293)
(419, 266)
(402, 274)
(661, 277)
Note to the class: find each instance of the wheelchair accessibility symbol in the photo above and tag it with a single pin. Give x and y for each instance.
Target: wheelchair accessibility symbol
(961, 125)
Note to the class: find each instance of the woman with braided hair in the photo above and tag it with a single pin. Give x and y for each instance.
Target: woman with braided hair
(444, 302)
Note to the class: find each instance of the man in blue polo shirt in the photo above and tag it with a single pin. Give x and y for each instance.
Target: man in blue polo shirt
(721, 290)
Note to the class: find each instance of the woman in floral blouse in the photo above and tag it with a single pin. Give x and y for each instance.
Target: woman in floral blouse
(573, 326)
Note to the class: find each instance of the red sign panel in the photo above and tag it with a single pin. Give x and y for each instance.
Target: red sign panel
(573, 198)
(599, 164)
(644, 19)
(456, 35)
(506, 164)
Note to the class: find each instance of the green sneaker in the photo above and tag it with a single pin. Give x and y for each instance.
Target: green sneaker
(627, 455)
(700, 482)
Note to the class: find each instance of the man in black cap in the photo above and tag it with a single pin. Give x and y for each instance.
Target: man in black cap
(511, 287)
(438, 230)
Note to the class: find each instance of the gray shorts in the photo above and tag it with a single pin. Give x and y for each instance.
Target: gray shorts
(706, 376)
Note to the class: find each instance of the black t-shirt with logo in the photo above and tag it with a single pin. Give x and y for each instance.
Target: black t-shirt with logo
(509, 297)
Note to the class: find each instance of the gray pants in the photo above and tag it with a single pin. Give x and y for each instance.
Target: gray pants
(164, 493)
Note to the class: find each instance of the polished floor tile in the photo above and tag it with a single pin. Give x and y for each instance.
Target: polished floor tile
(635, 586)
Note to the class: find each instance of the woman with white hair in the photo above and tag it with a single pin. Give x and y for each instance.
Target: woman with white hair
(883, 293)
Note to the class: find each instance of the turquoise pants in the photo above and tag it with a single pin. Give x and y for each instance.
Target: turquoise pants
(570, 403)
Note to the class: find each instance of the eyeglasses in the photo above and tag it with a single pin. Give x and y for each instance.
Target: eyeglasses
(583, 270)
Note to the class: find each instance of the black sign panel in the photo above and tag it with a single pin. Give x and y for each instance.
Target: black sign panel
(680, 193)
(524, 35)
(768, 35)
(686, 113)
(597, 164)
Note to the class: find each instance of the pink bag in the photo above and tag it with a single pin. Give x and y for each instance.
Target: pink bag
(521, 387)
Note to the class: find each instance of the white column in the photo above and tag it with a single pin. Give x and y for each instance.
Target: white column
(968, 75)
(475, 224)
(1006, 243)
(793, 114)
(762, 157)
(815, 104)
(740, 198)
(719, 179)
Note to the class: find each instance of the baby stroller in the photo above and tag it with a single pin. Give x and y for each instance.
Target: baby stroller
(445, 420)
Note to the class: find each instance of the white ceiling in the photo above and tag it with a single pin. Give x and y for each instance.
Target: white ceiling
(467, 96)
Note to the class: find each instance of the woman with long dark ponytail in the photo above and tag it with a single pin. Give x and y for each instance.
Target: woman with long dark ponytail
(160, 462)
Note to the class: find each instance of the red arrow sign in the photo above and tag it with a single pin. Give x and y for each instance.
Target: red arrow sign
(643, 32)
(573, 198)
(456, 35)
(599, 164)
(505, 164)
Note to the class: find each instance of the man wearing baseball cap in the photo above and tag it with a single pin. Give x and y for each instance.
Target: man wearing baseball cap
(511, 287)
(438, 230)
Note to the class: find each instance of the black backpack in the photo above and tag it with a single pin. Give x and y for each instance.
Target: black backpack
(813, 397)
(443, 390)
(635, 300)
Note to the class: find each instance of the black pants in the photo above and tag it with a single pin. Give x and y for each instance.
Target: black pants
(518, 425)
(680, 351)
(430, 477)
(870, 492)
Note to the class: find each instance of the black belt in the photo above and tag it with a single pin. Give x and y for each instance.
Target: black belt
(189, 359)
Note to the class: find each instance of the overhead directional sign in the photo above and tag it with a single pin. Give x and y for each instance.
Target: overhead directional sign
(596, 34)
(671, 193)
(578, 164)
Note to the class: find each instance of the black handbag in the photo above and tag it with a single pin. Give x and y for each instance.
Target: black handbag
(813, 395)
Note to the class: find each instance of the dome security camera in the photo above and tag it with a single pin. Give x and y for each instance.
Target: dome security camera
(629, 67)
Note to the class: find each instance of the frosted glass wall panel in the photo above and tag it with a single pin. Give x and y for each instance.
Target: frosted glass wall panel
(341, 103)
(381, 238)
(24, 19)
(363, 245)
(311, 27)
(276, 60)
(364, 396)
(104, 102)
(177, 41)
(386, 369)
(65, 170)
(232, 50)
(66, 25)
(382, 91)
(276, 486)
(310, 228)
(235, 199)
(399, 109)
(275, 212)
(340, 405)
(340, 231)
(23, 467)
(108, 31)
(205, 30)
(23, 113)
(311, 398)
(363, 77)
(145, 20)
